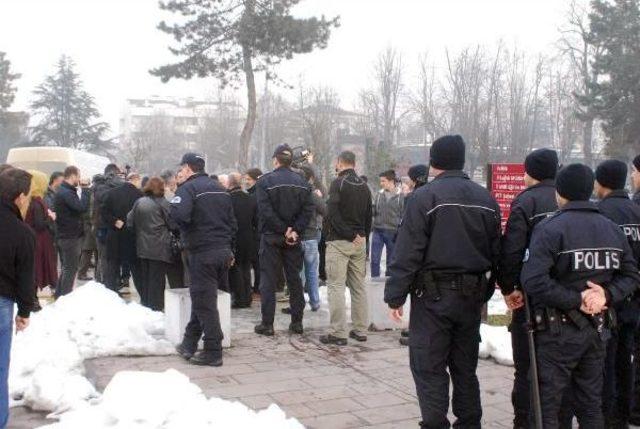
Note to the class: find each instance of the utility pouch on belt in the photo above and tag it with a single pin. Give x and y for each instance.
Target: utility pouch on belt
(431, 289)
(553, 319)
(578, 319)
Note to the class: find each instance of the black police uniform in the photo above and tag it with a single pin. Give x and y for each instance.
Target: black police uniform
(534, 204)
(202, 209)
(619, 373)
(450, 235)
(284, 200)
(572, 247)
(634, 417)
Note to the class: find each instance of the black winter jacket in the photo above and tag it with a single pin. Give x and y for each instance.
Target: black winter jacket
(533, 205)
(203, 211)
(69, 210)
(450, 226)
(17, 254)
(349, 208)
(576, 245)
(245, 209)
(284, 201)
(116, 205)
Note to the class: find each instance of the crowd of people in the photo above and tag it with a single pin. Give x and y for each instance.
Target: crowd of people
(563, 261)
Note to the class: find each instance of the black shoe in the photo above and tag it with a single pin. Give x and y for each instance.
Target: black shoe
(296, 328)
(405, 333)
(85, 278)
(330, 339)
(207, 358)
(264, 329)
(184, 351)
(404, 341)
(286, 310)
(358, 336)
(315, 308)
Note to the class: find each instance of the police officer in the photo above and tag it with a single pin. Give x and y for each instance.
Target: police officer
(418, 177)
(202, 209)
(284, 210)
(611, 178)
(531, 206)
(579, 264)
(450, 236)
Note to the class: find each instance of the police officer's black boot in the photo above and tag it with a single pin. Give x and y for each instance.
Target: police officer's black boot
(207, 358)
(264, 329)
(186, 350)
(296, 328)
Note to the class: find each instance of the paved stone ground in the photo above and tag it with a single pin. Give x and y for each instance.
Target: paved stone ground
(366, 385)
(363, 385)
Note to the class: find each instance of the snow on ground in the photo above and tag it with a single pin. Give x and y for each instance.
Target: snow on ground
(496, 344)
(170, 401)
(47, 371)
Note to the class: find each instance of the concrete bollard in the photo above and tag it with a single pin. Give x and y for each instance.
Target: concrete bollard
(379, 310)
(177, 312)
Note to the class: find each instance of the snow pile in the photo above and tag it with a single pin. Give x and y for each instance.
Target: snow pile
(47, 372)
(496, 344)
(167, 400)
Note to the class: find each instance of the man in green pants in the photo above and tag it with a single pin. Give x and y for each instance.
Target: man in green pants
(347, 226)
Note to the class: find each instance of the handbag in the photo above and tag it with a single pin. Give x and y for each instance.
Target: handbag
(175, 243)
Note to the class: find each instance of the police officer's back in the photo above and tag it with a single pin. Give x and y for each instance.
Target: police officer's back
(611, 178)
(531, 206)
(284, 210)
(202, 209)
(449, 240)
(570, 255)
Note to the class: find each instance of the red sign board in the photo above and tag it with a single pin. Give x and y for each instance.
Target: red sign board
(505, 181)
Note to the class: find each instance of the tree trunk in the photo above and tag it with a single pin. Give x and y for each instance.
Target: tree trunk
(587, 138)
(247, 130)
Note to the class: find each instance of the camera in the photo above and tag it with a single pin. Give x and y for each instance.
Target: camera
(300, 156)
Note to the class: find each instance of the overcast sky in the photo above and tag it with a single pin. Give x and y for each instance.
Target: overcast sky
(115, 42)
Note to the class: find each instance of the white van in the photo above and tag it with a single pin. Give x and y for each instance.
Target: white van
(52, 158)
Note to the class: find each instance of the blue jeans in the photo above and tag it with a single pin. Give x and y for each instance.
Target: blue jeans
(309, 273)
(6, 329)
(381, 238)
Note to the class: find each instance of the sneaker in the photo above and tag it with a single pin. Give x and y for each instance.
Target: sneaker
(358, 336)
(264, 329)
(296, 328)
(207, 358)
(184, 351)
(330, 339)
(315, 308)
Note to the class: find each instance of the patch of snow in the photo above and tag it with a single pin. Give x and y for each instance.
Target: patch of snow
(47, 371)
(169, 401)
(496, 344)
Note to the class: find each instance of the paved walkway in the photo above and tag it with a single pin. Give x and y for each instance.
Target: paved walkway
(366, 385)
(361, 385)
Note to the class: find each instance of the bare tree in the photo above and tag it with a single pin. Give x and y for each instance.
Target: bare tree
(426, 102)
(577, 46)
(319, 107)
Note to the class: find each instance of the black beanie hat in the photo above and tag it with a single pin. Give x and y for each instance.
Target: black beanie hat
(541, 164)
(575, 182)
(612, 174)
(447, 153)
(636, 162)
(418, 173)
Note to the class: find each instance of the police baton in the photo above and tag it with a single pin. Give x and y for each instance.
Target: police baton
(534, 386)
